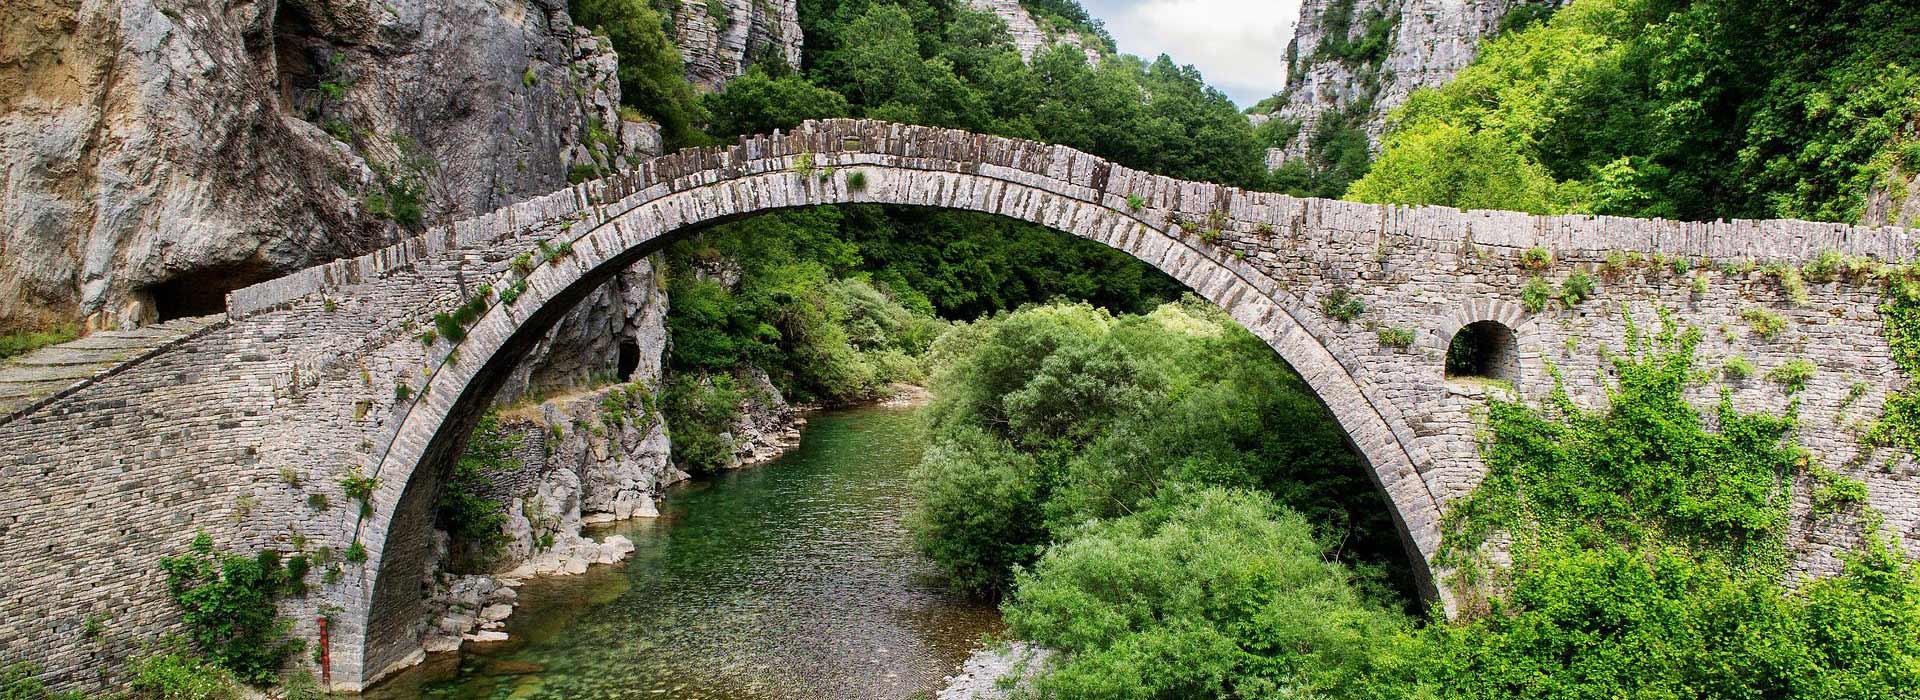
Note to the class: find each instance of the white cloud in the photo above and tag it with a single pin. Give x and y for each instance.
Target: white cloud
(1239, 45)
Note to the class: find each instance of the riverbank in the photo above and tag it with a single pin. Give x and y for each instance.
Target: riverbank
(794, 580)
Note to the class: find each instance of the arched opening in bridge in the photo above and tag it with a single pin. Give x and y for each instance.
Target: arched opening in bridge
(393, 600)
(1483, 350)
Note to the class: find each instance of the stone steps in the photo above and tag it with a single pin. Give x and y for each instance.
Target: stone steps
(47, 371)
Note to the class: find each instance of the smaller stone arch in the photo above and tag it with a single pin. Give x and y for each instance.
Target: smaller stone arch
(1483, 338)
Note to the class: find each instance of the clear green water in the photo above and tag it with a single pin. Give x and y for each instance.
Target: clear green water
(793, 580)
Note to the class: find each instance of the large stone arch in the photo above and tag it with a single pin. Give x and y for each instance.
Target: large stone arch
(810, 171)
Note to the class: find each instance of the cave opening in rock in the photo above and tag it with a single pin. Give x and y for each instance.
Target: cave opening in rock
(204, 291)
(629, 359)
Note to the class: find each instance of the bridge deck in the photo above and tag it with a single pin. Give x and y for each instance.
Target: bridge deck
(50, 370)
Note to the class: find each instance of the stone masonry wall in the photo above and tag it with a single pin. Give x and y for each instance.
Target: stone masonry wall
(303, 377)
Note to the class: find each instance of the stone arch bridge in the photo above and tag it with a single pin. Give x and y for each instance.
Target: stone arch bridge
(231, 428)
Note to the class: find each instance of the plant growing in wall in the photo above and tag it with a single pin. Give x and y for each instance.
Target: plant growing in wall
(1833, 491)
(1764, 323)
(1342, 305)
(555, 251)
(1577, 288)
(856, 181)
(1135, 203)
(227, 606)
(359, 487)
(1535, 295)
(1396, 338)
(1736, 368)
(1537, 258)
(1793, 375)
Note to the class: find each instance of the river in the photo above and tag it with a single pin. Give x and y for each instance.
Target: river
(793, 580)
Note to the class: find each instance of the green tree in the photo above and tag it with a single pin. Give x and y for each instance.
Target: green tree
(761, 101)
(651, 72)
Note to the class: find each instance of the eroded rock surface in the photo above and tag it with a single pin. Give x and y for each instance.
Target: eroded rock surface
(720, 39)
(1029, 36)
(1430, 41)
(160, 155)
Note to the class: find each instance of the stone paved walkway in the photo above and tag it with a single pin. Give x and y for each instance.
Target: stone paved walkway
(47, 371)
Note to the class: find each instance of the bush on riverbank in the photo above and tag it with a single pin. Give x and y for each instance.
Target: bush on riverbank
(1068, 414)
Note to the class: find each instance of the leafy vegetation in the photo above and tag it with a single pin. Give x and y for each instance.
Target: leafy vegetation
(650, 70)
(1687, 109)
(1055, 416)
(227, 607)
(1647, 553)
(17, 682)
(471, 518)
(23, 342)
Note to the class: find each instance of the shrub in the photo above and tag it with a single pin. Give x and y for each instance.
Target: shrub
(471, 519)
(1577, 288)
(857, 181)
(1396, 338)
(699, 412)
(1587, 476)
(176, 673)
(1736, 368)
(1764, 323)
(1793, 375)
(1342, 305)
(1537, 258)
(978, 514)
(1535, 295)
(228, 610)
(1210, 593)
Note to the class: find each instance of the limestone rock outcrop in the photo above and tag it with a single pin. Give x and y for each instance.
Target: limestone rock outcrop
(159, 155)
(767, 426)
(1029, 37)
(1428, 42)
(720, 39)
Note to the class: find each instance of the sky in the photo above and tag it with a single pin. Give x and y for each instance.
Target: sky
(1239, 45)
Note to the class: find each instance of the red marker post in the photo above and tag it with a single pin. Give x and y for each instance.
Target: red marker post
(326, 665)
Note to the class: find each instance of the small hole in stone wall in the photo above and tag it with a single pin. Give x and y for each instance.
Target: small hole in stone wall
(203, 292)
(629, 358)
(1486, 350)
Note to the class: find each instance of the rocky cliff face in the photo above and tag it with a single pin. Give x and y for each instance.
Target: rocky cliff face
(720, 39)
(1358, 59)
(1029, 37)
(158, 156)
